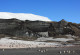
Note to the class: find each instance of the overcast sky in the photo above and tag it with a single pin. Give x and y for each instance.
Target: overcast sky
(53, 9)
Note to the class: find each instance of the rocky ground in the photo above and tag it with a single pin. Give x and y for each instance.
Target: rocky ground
(42, 51)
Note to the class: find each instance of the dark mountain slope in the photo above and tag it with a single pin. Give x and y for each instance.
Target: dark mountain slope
(28, 28)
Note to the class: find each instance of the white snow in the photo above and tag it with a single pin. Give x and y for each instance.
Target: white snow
(9, 43)
(54, 39)
(44, 39)
(23, 16)
(63, 39)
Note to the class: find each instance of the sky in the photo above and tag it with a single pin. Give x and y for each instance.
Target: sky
(55, 10)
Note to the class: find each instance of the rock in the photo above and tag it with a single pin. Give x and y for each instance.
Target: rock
(28, 28)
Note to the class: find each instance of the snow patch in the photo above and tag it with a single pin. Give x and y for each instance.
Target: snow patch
(55, 39)
(10, 43)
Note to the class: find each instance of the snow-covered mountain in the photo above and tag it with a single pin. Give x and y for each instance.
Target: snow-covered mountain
(22, 16)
